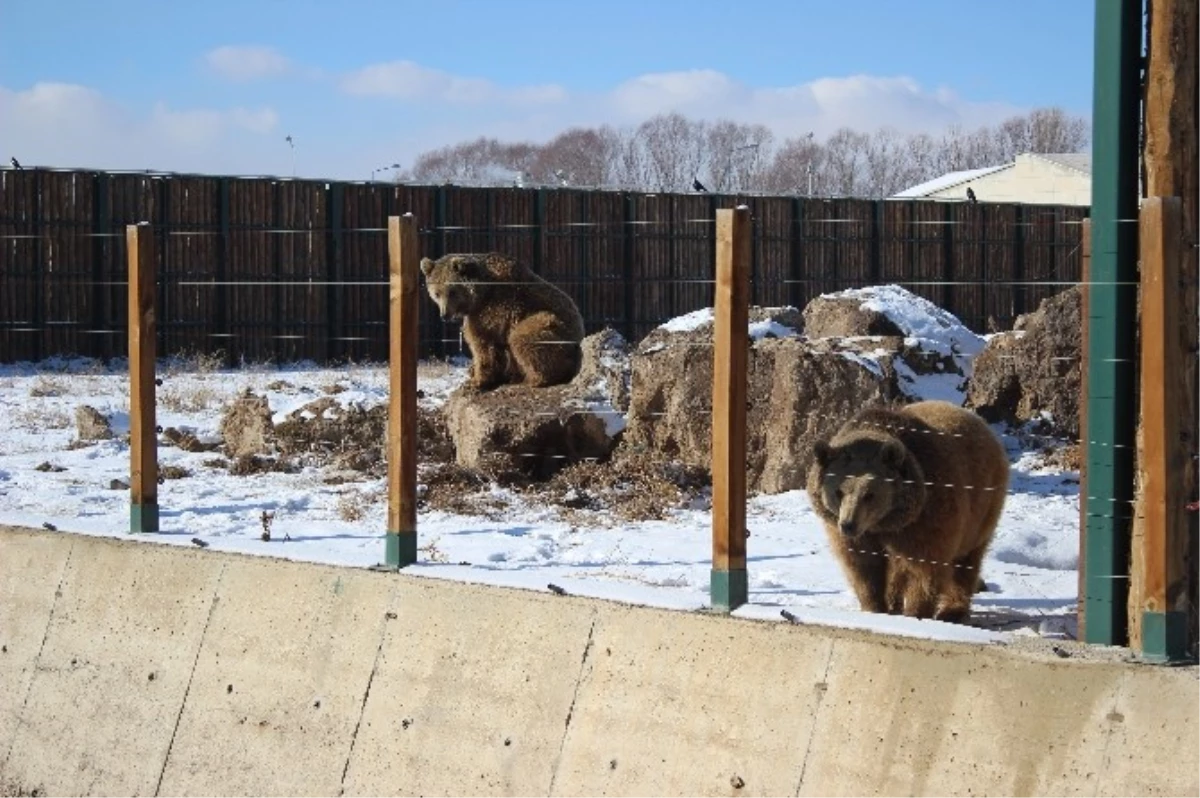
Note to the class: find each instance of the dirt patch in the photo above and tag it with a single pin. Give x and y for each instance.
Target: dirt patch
(187, 441)
(323, 433)
(629, 487)
(451, 488)
(249, 464)
(174, 472)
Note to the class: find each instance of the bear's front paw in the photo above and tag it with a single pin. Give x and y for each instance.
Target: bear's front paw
(482, 386)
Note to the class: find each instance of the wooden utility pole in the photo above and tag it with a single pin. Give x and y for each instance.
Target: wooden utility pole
(729, 587)
(1170, 153)
(143, 432)
(404, 283)
(1158, 578)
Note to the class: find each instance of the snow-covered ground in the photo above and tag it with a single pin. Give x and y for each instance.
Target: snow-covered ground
(48, 480)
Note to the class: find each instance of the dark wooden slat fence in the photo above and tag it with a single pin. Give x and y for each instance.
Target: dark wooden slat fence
(285, 270)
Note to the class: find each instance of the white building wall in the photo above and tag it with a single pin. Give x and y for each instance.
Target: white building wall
(1030, 180)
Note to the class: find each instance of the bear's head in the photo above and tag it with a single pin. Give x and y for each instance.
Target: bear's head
(870, 484)
(456, 283)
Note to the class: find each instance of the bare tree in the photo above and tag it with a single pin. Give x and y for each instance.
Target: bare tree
(673, 148)
(483, 160)
(666, 152)
(734, 156)
(793, 167)
(843, 169)
(578, 157)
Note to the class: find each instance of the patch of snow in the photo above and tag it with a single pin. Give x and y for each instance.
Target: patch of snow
(863, 359)
(1032, 567)
(946, 387)
(689, 321)
(770, 328)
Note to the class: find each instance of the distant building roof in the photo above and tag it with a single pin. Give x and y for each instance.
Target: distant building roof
(1079, 161)
(949, 180)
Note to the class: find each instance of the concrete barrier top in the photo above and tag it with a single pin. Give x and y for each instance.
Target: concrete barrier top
(138, 669)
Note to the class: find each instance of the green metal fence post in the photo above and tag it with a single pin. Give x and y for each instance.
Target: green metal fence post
(1111, 375)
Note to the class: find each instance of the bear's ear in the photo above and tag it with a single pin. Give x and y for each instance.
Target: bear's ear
(893, 454)
(469, 269)
(426, 266)
(822, 451)
(475, 269)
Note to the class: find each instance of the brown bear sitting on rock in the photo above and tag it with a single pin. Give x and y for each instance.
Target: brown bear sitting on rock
(910, 498)
(520, 328)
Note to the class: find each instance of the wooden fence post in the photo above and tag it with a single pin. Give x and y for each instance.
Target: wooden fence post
(143, 432)
(1085, 323)
(729, 587)
(403, 340)
(1159, 564)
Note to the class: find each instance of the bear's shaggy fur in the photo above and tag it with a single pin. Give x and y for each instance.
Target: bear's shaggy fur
(520, 328)
(910, 497)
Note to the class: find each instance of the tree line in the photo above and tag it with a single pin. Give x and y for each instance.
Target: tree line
(672, 153)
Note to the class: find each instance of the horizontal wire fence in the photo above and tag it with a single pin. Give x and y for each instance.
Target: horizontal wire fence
(283, 270)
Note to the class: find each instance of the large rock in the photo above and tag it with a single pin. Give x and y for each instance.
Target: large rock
(1033, 372)
(91, 424)
(798, 391)
(246, 427)
(800, 388)
(518, 433)
(604, 372)
(846, 315)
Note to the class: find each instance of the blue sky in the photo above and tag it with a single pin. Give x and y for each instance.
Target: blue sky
(215, 86)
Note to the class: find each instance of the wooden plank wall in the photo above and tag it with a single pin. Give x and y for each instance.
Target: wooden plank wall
(263, 269)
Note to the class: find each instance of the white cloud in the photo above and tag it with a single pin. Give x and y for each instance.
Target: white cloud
(70, 125)
(405, 80)
(66, 125)
(245, 63)
(861, 102)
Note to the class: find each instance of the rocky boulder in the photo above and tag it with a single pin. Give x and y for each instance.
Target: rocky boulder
(798, 391)
(515, 433)
(91, 424)
(246, 426)
(1034, 372)
(934, 344)
(846, 315)
(800, 387)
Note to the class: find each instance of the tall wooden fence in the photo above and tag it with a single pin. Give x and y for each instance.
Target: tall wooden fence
(276, 269)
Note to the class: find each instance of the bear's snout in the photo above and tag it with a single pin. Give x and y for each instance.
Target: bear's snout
(848, 528)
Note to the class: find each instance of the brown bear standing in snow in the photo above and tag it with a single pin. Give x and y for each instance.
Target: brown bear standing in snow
(520, 328)
(910, 498)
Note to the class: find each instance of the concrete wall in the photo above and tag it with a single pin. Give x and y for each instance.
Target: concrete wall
(1030, 180)
(135, 669)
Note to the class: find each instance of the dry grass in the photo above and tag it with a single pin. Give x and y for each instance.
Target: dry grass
(48, 386)
(629, 487)
(351, 507)
(193, 399)
(194, 363)
(1068, 457)
(436, 369)
(36, 419)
